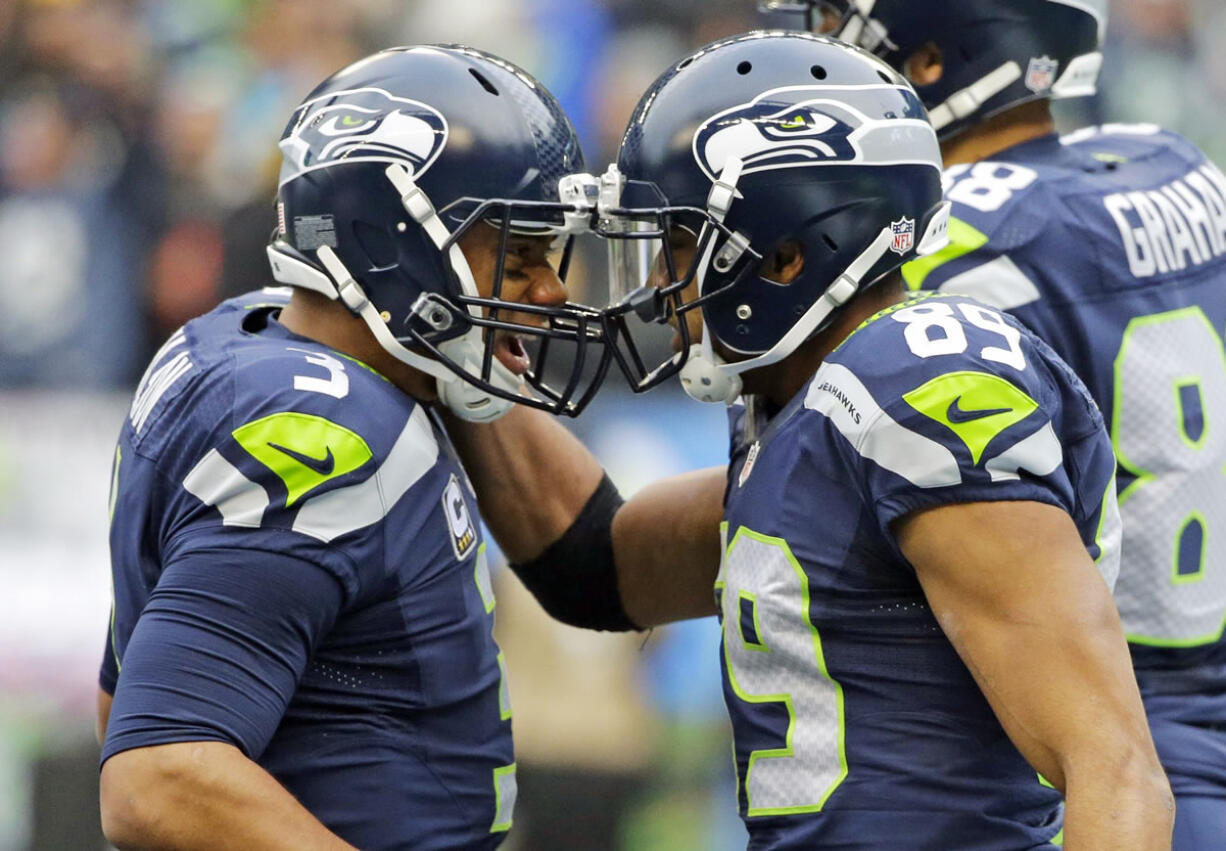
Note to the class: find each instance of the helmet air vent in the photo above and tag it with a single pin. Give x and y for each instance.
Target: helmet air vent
(744, 68)
(484, 81)
(818, 72)
(830, 243)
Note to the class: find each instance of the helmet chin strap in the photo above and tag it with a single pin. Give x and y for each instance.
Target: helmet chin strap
(965, 101)
(701, 376)
(707, 377)
(464, 399)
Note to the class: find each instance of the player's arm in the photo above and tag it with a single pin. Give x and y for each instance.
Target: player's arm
(105, 699)
(190, 795)
(108, 674)
(1025, 606)
(546, 500)
(207, 673)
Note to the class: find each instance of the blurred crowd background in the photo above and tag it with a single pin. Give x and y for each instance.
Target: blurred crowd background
(138, 163)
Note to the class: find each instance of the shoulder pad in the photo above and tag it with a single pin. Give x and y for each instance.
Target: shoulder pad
(938, 384)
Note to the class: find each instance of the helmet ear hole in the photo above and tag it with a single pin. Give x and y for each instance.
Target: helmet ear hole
(376, 244)
(785, 264)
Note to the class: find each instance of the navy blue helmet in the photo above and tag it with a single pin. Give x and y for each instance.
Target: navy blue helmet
(996, 53)
(754, 142)
(386, 164)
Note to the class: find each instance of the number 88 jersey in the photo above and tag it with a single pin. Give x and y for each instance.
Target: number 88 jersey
(855, 722)
(1110, 244)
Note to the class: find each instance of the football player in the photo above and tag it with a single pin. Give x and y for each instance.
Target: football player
(1109, 243)
(300, 651)
(919, 527)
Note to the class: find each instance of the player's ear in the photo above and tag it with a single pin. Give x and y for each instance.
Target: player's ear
(925, 66)
(785, 264)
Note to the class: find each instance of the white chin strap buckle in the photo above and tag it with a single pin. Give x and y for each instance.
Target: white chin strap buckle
(704, 381)
(467, 401)
(471, 403)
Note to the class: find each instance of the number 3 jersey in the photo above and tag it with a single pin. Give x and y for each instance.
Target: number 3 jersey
(1110, 244)
(298, 572)
(855, 722)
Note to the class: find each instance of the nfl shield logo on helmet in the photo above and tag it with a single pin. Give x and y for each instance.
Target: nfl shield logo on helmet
(1041, 75)
(904, 235)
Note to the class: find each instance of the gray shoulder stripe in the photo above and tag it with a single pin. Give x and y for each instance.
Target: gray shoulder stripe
(998, 283)
(216, 482)
(1039, 454)
(344, 510)
(841, 397)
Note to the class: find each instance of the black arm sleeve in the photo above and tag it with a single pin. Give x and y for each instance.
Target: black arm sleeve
(575, 579)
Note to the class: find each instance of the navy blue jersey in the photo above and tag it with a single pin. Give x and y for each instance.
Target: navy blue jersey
(856, 724)
(1111, 245)
(299, 571)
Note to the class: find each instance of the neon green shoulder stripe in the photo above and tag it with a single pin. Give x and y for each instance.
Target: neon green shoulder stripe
(976, 406)
(302, 449)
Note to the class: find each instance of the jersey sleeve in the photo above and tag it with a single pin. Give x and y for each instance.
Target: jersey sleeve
(219, 649)
(978, 437)
(974, 409)
(325, 467)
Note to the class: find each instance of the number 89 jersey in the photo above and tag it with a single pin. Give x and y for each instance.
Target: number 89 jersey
(856, 724)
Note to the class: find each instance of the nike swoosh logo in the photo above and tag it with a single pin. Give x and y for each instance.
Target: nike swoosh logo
(957, 414)
(324, 466)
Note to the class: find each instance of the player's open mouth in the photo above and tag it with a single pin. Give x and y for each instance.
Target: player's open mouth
(509, 349)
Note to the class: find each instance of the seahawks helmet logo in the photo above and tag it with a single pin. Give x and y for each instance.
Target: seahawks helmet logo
(362, 125)
(767, 134)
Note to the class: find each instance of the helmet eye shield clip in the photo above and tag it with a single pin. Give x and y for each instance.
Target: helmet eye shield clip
(665, 261)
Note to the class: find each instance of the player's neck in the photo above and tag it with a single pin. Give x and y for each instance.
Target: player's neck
(1011, 127)
(780, 382)
(329, 322)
